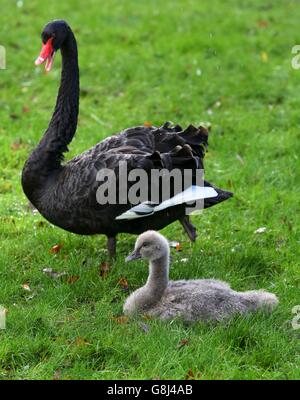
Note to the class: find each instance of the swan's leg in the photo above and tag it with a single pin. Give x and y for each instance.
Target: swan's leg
(111, 246)
(189, 228)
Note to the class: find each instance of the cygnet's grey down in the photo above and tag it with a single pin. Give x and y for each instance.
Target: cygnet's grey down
(190, 300)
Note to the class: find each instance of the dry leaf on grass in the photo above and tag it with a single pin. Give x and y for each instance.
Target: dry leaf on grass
(191, 375)
(124, 284)
(122, 319)
(55, 249)
(26, 286)
(72, 279)
(104, 269)
(176, 245)
(148, 124)
(183, 342)
(15, 145)
(25, 109)
(79, 341)
(262, 23)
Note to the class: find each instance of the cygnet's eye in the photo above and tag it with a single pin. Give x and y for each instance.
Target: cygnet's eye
(146, 244)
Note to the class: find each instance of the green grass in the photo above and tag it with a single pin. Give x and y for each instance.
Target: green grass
(156, 61)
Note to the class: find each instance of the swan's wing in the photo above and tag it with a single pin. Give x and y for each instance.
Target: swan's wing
(149, 139)
(145, 148)
(191, 194)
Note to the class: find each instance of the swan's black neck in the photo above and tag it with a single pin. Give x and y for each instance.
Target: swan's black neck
(46, 159)
(62, 126)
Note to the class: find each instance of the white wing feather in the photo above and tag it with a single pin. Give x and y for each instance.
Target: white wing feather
(190, 194)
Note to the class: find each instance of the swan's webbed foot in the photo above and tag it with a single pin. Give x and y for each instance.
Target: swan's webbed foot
(189, 228)
(111, 246)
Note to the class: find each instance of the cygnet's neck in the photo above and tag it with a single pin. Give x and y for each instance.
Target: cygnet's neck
(151, 293)
(158, 276)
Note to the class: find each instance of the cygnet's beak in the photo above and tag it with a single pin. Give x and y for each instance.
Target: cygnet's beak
(135, 255)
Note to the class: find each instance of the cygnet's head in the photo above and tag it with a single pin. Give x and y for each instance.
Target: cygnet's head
(151, 245)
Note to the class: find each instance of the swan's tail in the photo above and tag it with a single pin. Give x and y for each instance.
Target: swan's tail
(222, 195)
(260, 299)
(185, 149)
(168, 137)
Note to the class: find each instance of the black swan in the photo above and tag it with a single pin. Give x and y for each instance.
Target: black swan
(191, 300)
(65, 194)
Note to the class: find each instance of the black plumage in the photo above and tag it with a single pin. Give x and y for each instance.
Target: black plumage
(65, 193)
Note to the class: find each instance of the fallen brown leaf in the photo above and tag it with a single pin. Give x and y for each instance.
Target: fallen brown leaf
(262, 23)
(178, 247)
(15, 145)
(183, 342)
(25, 109)
(26, 286)
(124, 284)
(122, 319)
(148, 124)
(79, 341)
(191, 376)
(72, 279)
(55, 249)
(104, 269)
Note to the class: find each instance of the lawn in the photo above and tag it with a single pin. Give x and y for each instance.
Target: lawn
(227, 64)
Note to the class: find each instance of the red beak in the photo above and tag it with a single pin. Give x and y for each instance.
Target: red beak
(47, 54)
